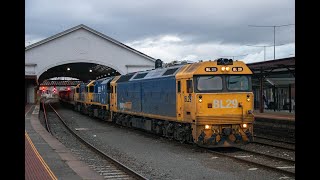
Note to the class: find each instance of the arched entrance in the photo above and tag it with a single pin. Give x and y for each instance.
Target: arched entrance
(82, 44)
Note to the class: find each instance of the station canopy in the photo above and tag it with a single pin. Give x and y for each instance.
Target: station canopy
(279, 72)
(81, 71)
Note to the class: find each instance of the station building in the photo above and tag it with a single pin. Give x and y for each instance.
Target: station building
(79, 47)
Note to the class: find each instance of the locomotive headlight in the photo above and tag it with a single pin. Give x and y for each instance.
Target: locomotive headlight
(200, 100)
(227, 68)
(248, 99)
(244, 125)
(223, 68)
(207, 126)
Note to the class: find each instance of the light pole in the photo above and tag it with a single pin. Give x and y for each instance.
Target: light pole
(274, 36)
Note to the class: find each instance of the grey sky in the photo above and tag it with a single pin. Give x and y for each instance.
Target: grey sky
(173, 30)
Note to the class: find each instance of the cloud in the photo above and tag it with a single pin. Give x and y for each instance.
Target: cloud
(172, 47)
(180, 29)
(283, 51)
(204, 20)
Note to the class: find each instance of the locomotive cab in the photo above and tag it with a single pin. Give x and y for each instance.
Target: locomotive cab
(216, 98)
(90, 91)
(76, 93)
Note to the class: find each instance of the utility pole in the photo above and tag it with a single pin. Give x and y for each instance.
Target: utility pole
(274, 36)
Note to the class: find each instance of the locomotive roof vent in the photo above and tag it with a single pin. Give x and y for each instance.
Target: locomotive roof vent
(224, 61)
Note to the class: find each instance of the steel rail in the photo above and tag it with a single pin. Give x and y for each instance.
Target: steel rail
(277, 169)
(118, 164)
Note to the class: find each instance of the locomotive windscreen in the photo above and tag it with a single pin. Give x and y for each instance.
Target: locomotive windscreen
(237, 82)
(222, 83)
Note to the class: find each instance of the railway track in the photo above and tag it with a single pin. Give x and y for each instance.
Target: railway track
(275, 144)
(275, 140)
(264, 161)
(46, 122)
(113, 170)
(281, 134)
(266, 154)
(257, 159)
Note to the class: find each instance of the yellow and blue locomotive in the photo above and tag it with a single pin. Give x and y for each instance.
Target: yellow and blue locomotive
(208, 103)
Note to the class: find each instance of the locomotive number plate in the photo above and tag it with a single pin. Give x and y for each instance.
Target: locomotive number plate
(228, 103)
(237, 69)
(211, 69)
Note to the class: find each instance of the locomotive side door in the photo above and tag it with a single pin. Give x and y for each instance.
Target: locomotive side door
(113, 95)
(184, 98)
(179, 101)
(188, 99)
(113, 98)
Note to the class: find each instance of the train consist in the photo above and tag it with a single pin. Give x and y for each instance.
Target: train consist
(207, 103)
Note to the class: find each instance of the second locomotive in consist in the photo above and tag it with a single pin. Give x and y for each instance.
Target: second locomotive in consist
(208, 103)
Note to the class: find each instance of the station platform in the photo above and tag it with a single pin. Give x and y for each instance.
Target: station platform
(45, 157)
(275, 115)
(275, 124)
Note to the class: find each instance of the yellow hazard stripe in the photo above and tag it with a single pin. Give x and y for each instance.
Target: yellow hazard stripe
(40, 158)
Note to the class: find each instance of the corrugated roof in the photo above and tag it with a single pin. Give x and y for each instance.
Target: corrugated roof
(273, 64)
